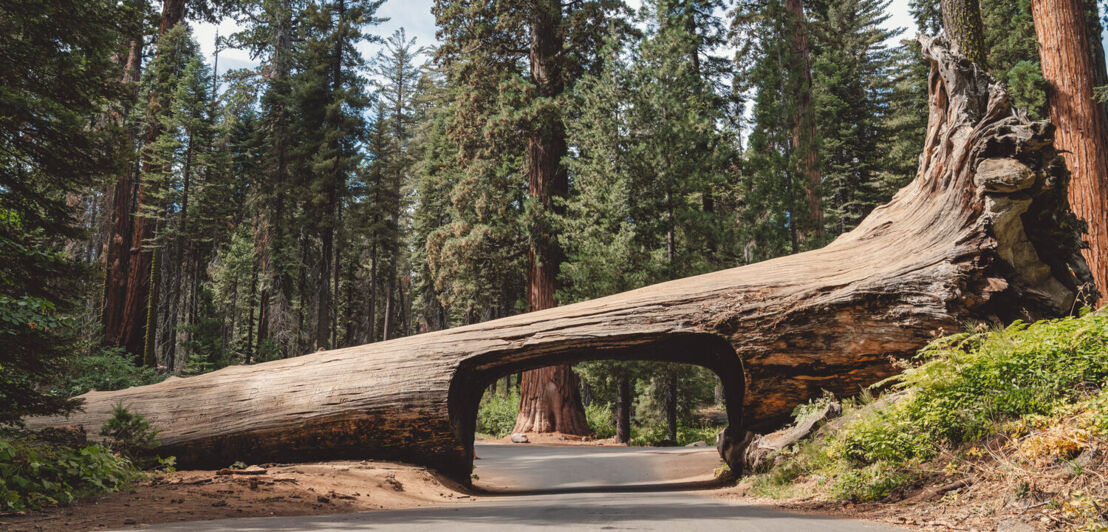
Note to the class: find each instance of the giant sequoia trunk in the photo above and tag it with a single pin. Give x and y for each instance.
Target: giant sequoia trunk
(983, 233)
(135, 318)
(1067, 58)
(804, 129)
(116, 254)
(549, 400)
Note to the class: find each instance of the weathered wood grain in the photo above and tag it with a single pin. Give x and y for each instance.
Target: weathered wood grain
(956, 244)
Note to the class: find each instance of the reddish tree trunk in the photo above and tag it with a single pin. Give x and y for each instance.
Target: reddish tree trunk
(116, 253)
(133, 333)
(117, 258)
(804, 131)
(549, 399)
(1082, 134)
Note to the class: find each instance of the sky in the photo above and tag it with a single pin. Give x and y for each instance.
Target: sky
(416, 19)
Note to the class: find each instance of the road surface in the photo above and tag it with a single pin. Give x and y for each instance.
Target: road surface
(571, 488)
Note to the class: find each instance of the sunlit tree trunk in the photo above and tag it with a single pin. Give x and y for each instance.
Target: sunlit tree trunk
(1082, 135)
(804, 129)
(550, 400)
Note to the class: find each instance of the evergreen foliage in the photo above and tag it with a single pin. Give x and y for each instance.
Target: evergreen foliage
(58, 80)
(853, 86)
(130, 434)
(775, 216)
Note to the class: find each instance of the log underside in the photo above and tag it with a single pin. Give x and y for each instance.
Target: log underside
(983, 233)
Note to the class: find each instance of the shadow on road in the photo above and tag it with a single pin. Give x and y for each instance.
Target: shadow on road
(654, 487)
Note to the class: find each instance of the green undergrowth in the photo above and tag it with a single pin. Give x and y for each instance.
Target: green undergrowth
(36, 473)
(496, 416)
(1009, 384)
(686, 434)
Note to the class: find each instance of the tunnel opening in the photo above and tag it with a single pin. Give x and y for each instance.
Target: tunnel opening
(709, 351)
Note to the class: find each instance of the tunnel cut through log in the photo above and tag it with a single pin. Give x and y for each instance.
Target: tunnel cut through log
(706, 350)
(984, 233)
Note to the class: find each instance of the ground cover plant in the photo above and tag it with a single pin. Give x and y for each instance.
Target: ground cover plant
(1007, 405)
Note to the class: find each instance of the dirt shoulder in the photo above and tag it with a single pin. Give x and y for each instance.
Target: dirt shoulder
(994, 492)
(282, 490)
(554, 439)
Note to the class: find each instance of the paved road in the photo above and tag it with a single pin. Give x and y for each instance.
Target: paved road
(572, 488)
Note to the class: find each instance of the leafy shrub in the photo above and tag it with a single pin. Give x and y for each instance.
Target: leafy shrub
(804, 410)
(777, 483)
(131, 435)
(871, 483)
(496, 416)
(654, 435)
(108, 368)
(1098, 411)
(601, 420)
(34, 474)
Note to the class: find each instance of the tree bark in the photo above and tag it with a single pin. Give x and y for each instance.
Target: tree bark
(983, 233)
(1082, 136)
(623, 409)
(135, 313)
(550, 400)
(671, 404)
(804, 129)
(963, 25)
(117, 256)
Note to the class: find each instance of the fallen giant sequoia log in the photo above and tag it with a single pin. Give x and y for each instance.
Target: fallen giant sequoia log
(983, 233)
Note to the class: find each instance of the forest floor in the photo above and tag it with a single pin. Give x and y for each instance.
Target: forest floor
(283, 490)
(556, 439)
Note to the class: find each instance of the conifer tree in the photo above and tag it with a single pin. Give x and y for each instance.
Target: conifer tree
(436, 173)
(330, 96)
(50, 147)
(483, 46)
(268, 34)
(774, 185)
(396, 66)
(851, 71)
(181, 155)
(648, 130)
